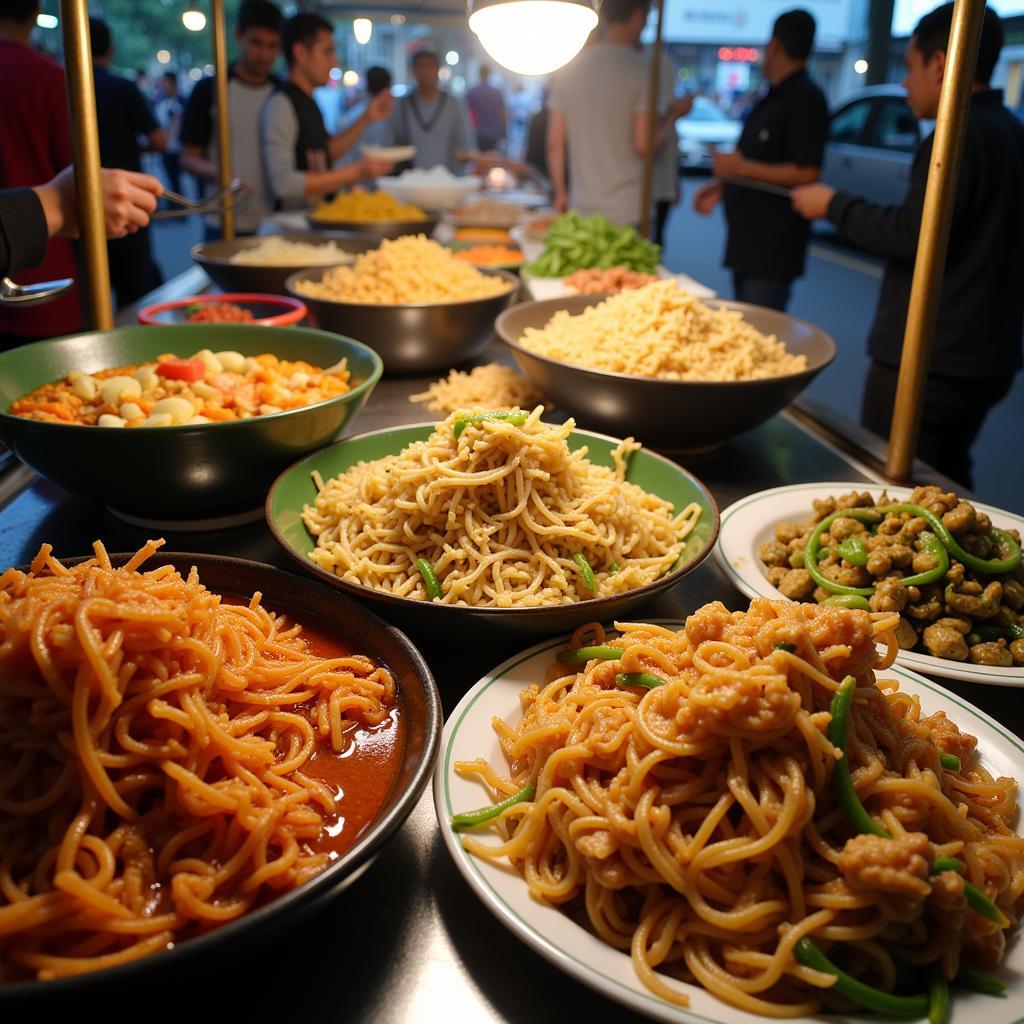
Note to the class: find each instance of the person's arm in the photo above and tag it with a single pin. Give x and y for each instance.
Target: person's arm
(197, 131)
(556, 158)
(664, 124)
(788, 175)
(23, 230)
(377, 109)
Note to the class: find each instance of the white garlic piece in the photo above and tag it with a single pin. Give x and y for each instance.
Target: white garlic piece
(209, 360)
(85, 387)
(115, 390)
(130, 411)
(179, 409)
(233, 362)
(108, 420)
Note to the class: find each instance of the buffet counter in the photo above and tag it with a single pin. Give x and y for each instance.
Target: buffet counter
(408, 940)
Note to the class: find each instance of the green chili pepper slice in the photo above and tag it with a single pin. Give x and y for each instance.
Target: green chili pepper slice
(938, 998)
(988, 632)
(613, 568)
(950, 762)
(586, 572)
(990, 566)
(854, 550)
(517, 419)
(430, 580)
(842, 784)
(644, 679)
(811, 552)
(808, 954)
(976, 899)
(470, 819)
(930, 545)
(861, 604)
(980, 981)
(581, 655)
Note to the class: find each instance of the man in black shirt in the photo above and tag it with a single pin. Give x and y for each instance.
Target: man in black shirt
(976, 349)
(782, 144)
(124, 116)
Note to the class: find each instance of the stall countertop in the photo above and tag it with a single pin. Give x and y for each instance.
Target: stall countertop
(409, 941)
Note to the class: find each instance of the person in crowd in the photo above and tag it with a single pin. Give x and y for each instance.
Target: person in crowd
(665, 182)
(378, 83)
(30, 217)
(598, 116)
(487, 109)
(169, 114)
(782, 144)
(298, 154)
(976, 347)
(250, 84)
(143, 84)
(431, 118)
(35, 143)
(124, 116)
(536, 154)
(521, 109)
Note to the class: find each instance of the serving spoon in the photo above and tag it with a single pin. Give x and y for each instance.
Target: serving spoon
(14, 294)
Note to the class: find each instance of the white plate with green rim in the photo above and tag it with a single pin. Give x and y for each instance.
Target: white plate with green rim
(469, 734)
(749, 522)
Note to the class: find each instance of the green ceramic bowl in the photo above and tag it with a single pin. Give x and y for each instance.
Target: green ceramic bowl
(177, 474)
(294, 488)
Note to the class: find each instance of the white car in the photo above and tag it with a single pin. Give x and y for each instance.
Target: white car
(703, 127)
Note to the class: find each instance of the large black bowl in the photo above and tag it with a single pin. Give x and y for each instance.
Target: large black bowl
(420, 337)
(215, 258)
(673, 415)
(163, 474)
(305, 601)
(379, 229)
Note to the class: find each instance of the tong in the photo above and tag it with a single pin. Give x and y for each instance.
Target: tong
(14, 294)
(216, 203)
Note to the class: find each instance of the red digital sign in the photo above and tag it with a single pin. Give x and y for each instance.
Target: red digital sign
(738, 54)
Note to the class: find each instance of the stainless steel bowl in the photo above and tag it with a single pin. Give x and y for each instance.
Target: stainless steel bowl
(412, 338)
(377, 228)
(215, 258)
(679, 416)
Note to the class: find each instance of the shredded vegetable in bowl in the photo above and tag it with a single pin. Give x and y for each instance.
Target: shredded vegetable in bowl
(206, 388)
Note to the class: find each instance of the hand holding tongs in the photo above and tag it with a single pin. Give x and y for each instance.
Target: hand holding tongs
(216, 203)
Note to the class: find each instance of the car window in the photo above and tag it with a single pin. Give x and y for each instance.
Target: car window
(895, 127)
(848, 123)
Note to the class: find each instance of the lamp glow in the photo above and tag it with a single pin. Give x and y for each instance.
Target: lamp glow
(362, 29)
(350, 79)
(193, 19)
(533, 37)
(46, 20)
(163, 56)
(860, 66)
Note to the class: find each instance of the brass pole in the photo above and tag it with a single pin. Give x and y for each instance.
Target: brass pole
(220, 60)
(933, 240)
(85, 141)
(652, 121)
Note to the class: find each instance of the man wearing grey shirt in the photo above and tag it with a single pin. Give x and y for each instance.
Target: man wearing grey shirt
(297, 151)
(598, 111)
(431, 119)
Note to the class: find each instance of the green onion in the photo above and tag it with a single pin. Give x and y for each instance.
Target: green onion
(517, 419)
(950, 762)
(980, 981)
(613, 568)
(470, 819)
(842, 784)
(586, 572)
(808, 954)
(788, 648)
(644, 679)
(938, 998)
(976, 899)
(430, 580)
(581, 655)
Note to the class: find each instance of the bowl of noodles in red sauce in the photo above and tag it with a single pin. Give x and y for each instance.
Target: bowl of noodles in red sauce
(195, 749)
(229, 308)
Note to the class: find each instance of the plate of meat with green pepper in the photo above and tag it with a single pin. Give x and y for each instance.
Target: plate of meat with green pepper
(950, 567)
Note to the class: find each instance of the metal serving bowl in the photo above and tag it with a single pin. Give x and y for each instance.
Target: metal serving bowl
(215, 259)
(294, 489)
(310, 603)
(377, 228)
(686, 416)
(415, 337)
(177, 474)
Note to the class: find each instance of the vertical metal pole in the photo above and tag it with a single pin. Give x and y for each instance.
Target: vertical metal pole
(879, 40)
(85, 140)
(220, 60)
(922, 312)
(652, 120)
